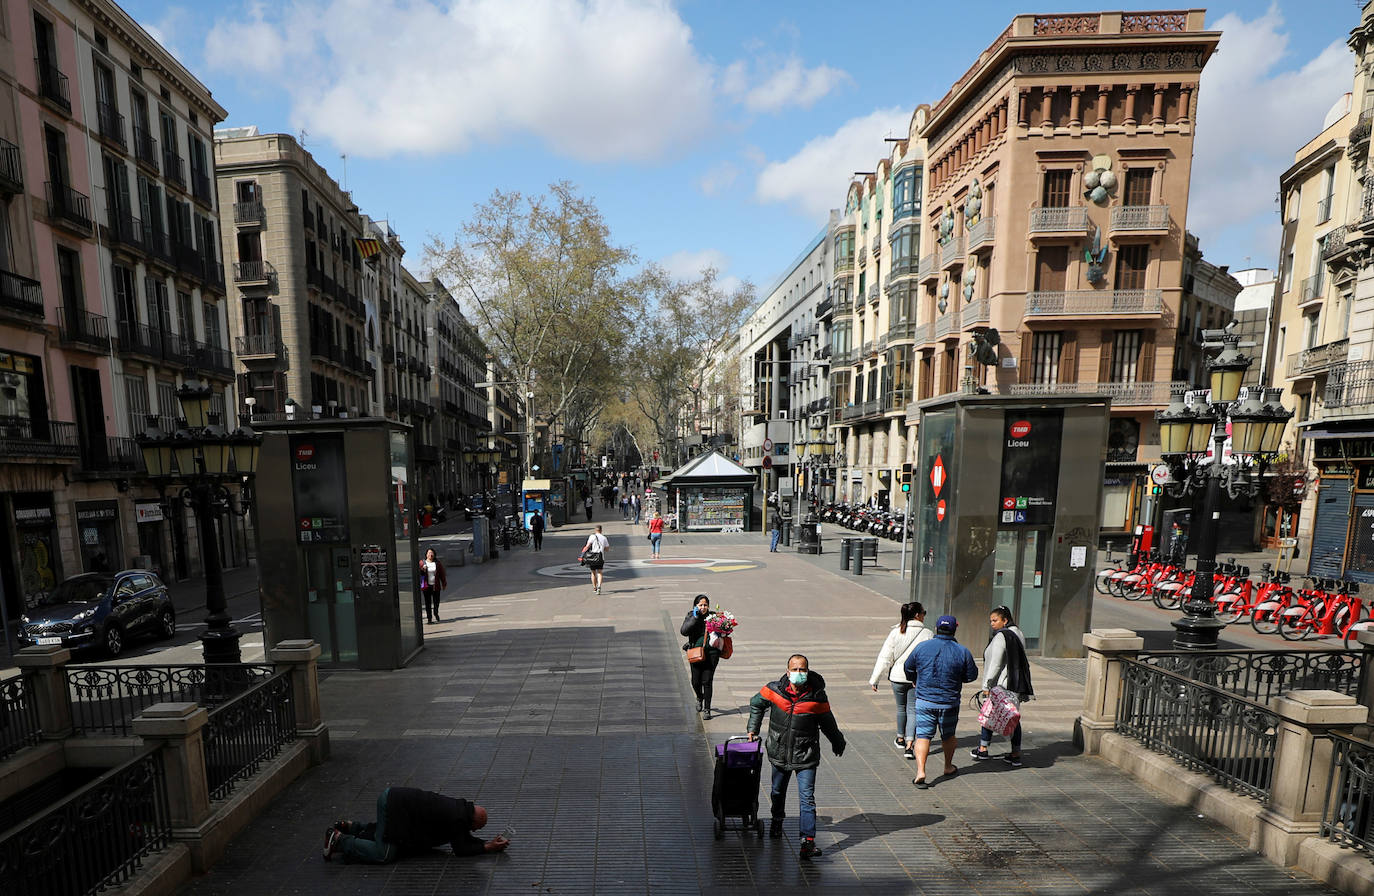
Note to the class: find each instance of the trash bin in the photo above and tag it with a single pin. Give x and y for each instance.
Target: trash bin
(809, 536)
(844, 551)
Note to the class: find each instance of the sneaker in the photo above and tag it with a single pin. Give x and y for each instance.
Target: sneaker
(980, 754)
(1013, 760)
(775, 829)
(909, 754)
(331, 842)
(898, 742)
(808, 848)
(706, 714)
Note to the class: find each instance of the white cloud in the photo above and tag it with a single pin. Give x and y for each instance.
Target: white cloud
(718, 179)
(790, 84)
(1255, 109)
(815, 178)
(686, 264)
(593, 79)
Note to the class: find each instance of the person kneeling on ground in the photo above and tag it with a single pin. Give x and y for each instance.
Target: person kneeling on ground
(411, 821)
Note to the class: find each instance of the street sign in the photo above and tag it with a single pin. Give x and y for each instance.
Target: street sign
(768, 463)
(940, 512)
(1159, 475)
(767, 444)
(937, 474)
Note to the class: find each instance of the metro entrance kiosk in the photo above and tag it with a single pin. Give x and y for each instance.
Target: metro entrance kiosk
(1025, 537)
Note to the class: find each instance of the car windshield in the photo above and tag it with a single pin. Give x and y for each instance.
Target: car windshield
(80, 590)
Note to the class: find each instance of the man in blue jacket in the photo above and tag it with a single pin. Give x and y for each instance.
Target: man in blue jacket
(939, 667)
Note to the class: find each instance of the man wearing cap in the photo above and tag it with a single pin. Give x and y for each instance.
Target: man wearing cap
(939, 667)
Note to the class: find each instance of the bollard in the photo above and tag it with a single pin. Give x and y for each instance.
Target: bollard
(844, 553)
(787, 533)
(856, 558)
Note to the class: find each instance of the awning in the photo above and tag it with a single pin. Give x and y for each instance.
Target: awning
(1337, 433)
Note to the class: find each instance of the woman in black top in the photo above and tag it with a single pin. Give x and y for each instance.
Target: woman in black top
(694, 630)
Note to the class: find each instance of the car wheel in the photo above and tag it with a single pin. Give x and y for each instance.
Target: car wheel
(166, 625)
(113, 640)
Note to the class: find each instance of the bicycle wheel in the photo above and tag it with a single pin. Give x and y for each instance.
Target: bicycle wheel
(1169, 596)
(1102, 580)
(1264, 618)
(1230, 606)
(1351, 634)
(1297, 623)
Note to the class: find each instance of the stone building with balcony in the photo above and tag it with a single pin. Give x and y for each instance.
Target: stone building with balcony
(292, 257)
(111, 292)
(1055, 200)
(462, 424)
(1321, 340)
(783, 355)
(411, 375)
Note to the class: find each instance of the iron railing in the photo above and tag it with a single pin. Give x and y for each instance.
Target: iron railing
(111, 122)
(1317, 358)
(1348, 816)
(145, 147)
(157, 243)
(24, 437)
(1334, 242)
(952, 252)
(247, 731)
(1324, 209)
(1313, 287)
(94, 839)
(946, 324)
(124, 228)
(1067, 219)
(11, 167)
(1154, 394)
(824, 308)
(1096, 301)
(248, 212)
(21, 294)
(19, 726)
(200, 186)
(1262, 675)
(52, 84)
(976, 312)
(68, 205)
(1349, 385)
(1204, 728)
(81, 327)
(105, 699)
(173, 168)
(260, 345)
(1140, 217)
(982, 232)
(253, 271)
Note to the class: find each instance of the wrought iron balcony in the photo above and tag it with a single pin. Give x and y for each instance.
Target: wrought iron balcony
(975, 313)
(824, 308)
(173, 168)
(1324, 209)
(1067, 220)
(11, 168)
(248, 212)
(111, 123)
(52, 84)
(210, 359)
(140, 339)
(946, 324)
(259, 271)
(68, 206)
(200, 187)
(980, 235)
(118, 454)
(1139, 395)
(1313, 288)
(81, 327)
(24, 437)
(1095, 301)
(952, 252)
(20, 294)
(124, 230)
(1317, 358)
(1349, 385)
(157, 243)
(145, 148)
(1333, 243)
(1140, 217)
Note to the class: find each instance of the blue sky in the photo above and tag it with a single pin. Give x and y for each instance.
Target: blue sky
(707, 132)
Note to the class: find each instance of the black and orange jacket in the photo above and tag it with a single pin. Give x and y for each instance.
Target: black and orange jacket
(795, 722)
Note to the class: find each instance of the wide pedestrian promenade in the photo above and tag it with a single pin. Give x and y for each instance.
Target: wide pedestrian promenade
(570, 716)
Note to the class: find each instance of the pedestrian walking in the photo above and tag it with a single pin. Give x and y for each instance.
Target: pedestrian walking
(655, 534)
(433, 580)
(624, 506)
(587, 504)
(537, 530)
(1005, 666)
(702, 658)
(891, 664)
(635, 506)
(939, 668)
(798, 713)
(593, 556)
(410, 822)
(775, 530)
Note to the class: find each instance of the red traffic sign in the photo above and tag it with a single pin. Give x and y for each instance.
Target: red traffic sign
(937, 474)
(1008, 503)
(768, 463)
(940, 511)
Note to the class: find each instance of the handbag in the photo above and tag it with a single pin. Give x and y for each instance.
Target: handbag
(696, 655)
(593, 557)
(727, 650)
(1000, 713)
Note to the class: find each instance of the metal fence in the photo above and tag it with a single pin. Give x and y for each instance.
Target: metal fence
(94, 839)
(19, 726)
(1348, 818)
(105, 699)
(1205, 728)
(1261, 675)
(247, 731)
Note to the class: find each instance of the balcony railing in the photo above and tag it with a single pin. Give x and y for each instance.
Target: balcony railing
(259, 345)
(157, 243)
(11, 168)
(248, 212)
(981, 234)
(1140, 217)
(210, 359)
(1317, 358)
(930, 265)
(824, 308)
(254, 271)
(24, 437)
(844, 265)
(200, 187)
(21, 294)
(111, 123)
(1313, 287)
(946, 324)
(1324, 209)
(81, 327)
(1060, 220)
(125, 230)
(52, 84)
(920, 334)
(1095, 301)
(1122, 394)
(173, 168)
(139, 339)
(1349, 385)
(1333, 242)
(975, 313)
(952, 252)
(145, 148)
(66, 204)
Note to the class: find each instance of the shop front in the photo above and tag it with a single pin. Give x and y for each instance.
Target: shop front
(1343, 518)
(97, 535)
(715, 509)
(710, 493)
(36, 556)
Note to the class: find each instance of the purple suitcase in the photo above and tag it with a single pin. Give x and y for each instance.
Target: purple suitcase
(741, 753)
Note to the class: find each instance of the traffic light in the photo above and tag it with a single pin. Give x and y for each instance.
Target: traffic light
(906, 477)
(1156, 490)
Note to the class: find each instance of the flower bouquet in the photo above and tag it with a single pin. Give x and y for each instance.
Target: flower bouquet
(719, 626)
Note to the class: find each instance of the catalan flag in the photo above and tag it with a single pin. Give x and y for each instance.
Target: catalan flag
(368, 248)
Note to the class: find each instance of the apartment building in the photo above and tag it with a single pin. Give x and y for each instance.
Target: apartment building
(1321, 335)
(409, 377)
(460, 364)
(111, 292)
(783, 353)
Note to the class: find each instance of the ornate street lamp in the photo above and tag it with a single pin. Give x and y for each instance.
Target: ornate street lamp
(1187, 431)
(204, 457)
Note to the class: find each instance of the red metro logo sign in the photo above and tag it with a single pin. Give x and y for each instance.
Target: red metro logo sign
(1020, 429)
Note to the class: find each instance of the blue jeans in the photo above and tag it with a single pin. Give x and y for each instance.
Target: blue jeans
(654, 540)
(777, 534)
(905, 695)
(370, 845)
(985, 738)
(806, 796)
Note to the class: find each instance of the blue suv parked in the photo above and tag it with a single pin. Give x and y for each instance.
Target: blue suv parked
(100, 609)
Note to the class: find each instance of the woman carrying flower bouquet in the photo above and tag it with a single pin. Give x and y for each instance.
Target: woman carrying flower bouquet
(694, 629)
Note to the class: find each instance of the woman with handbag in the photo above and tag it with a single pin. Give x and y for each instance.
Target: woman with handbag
(655, 534)
(891, 664)
(593, 556)
(433, 581)
(701, 656)
(1005, 666)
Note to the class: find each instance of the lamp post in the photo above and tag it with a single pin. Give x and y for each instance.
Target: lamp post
(204, 457)
(1186, 431)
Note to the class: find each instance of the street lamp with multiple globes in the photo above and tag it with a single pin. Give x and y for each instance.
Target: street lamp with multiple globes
(204, 457)
(1186, 432)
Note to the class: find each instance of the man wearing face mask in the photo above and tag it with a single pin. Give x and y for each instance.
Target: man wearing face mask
(798, 713)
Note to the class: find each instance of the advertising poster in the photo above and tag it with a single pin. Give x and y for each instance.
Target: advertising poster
(319, 487)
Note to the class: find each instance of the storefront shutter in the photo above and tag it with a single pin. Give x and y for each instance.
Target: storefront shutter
(1068, 357)
(1104, 357)
(1359, 565)
(1145, 370)
(1329, 528)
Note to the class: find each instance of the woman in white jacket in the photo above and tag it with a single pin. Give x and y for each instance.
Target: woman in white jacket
(1005, 666)
(903, 638)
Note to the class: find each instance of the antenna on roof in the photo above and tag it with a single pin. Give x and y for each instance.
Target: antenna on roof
(301, 139)
(344, 156)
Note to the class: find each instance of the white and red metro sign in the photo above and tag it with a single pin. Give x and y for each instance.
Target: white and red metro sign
(1020, 429)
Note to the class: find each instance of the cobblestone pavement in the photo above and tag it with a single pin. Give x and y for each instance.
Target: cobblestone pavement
(570, 716)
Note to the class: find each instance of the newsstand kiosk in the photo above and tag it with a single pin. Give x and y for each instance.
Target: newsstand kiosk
(1024, 537)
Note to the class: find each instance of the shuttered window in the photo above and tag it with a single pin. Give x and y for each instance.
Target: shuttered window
(1045, 348)
(1055, 193)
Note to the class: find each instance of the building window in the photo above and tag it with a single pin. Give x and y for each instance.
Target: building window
(1055, 193)
(1310, 321)
(1132, 262)
(1328, 192)
(1045, 349)
(210, 314)
(1139, 184)
(136, 399)
(1125, 356)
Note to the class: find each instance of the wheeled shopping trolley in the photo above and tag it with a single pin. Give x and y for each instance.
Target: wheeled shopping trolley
(735, 786)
